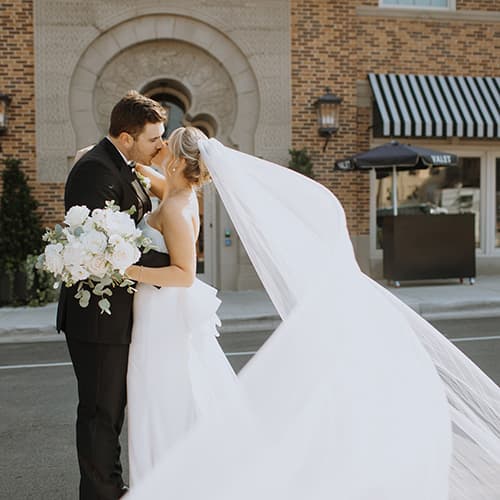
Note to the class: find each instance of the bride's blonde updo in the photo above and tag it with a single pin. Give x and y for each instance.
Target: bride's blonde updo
(183, 143)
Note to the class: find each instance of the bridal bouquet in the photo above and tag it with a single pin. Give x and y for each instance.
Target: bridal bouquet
(94, 249)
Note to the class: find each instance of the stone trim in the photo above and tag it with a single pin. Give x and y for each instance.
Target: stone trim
(467, 16)
(149, 28)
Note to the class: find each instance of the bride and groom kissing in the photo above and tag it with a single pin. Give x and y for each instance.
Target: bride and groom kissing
(353, 397)
(105, 348)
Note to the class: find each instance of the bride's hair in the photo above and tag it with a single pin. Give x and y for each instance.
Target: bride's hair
(183, 142)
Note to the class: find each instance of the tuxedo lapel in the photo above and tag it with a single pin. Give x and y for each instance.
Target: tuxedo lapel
(142, 201)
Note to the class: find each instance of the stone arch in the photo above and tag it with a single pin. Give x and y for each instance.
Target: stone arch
(149, 28)
(191, 74)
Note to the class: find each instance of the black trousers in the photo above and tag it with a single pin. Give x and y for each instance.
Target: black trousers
(101, 373)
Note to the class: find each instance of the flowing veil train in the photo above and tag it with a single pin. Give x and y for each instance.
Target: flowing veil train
(354, 396)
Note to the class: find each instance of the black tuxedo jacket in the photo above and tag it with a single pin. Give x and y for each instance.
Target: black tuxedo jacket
(102, 175)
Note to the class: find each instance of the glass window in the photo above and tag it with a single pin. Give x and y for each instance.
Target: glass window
(175, 111)
(439, 190)
(175, 119)
(446, 4)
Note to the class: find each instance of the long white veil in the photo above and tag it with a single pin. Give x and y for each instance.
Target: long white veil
(354, 396)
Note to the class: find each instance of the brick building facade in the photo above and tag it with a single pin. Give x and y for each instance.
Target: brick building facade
(304, 46)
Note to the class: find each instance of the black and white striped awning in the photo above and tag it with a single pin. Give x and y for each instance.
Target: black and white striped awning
(435, 106)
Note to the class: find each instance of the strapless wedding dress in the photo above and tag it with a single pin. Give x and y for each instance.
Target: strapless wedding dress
(353, 397)
(176, 369)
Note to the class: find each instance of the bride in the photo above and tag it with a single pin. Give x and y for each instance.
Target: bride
(354, 396)
(176, 368)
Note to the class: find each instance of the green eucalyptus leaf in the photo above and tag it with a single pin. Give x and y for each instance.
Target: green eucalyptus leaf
(105, 306)
(85, 298)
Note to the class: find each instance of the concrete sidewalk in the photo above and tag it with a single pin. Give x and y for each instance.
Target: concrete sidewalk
(252, 311)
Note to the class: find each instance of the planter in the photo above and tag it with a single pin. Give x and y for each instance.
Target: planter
(5, 289)
(20, 289)
(418, 247)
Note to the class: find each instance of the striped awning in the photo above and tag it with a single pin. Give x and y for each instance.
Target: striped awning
(435, 106)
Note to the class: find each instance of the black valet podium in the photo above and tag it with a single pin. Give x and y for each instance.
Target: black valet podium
(419, 247)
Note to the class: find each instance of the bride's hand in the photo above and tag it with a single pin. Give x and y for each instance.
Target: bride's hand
(81, 152)
(133, 272)
(158, 181)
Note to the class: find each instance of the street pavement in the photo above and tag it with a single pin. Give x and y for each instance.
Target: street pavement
(38, 389)
(38, 403)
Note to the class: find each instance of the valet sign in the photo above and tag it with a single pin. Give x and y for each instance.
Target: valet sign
(441, 159)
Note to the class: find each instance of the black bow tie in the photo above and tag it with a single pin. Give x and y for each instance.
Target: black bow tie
(131, 164)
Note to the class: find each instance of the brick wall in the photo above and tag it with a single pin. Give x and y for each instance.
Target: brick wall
(17, 80)
(330, 45)
(333, 46)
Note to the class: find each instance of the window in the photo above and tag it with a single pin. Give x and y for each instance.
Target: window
(440, 190)
(497, 200)
(422, 4)
(175, 111)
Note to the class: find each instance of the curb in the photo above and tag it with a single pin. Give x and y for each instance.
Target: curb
(266, 323)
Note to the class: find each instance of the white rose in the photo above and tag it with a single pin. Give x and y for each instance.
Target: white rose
(97, 266)
(120, 223)
(70, 237)
(99, 217)
(123, 256)
(73, 254)
(78, 273)
(115, 240)
(53, 258)
(94, 241)
(76, 215)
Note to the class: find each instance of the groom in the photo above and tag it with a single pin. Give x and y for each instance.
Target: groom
(98, 343)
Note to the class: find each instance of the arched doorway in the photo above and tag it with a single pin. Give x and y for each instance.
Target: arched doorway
(176, 100)
(221, 84)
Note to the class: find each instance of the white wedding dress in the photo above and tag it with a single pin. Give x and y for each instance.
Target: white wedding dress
(353, 397)
(176, 369)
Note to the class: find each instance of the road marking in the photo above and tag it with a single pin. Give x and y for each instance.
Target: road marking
(229, 354)
(244, 353)
(41, 365)
(48, 365)
(472, 339)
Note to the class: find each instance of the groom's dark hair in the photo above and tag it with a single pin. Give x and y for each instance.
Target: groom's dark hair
(132, 112)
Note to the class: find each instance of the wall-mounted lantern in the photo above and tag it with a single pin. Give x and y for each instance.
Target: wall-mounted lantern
(328, 109)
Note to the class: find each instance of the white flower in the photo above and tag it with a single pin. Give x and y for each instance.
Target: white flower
(76, 215)
(99, 217)
(78, 273)
(73, 254)
(53, 259)
(124, 255)
(97, 265)
(119, 223)
(94, 241)
(116, 239)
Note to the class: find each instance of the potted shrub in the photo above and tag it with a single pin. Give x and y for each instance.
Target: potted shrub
(300, 161)
(20, 233)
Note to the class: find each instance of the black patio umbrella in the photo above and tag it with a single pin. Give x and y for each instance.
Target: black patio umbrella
(394, 156)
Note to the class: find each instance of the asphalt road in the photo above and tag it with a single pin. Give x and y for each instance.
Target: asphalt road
(38, 401)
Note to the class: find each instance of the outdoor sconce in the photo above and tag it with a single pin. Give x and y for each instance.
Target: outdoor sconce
(328, 108)
(4, 104)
